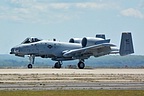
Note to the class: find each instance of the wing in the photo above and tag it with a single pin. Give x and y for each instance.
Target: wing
(86, 52)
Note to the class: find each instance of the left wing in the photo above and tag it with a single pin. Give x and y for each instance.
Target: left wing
(86, 52)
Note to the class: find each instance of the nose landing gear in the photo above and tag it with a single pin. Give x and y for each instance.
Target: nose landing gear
(31, 61)
(29, 66)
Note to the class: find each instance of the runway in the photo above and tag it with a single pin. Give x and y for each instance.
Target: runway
(71, 71)
(66, 79)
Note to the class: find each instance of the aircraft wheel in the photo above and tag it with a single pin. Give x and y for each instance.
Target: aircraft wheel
(29, 66)
(81, 65)
(57, 65)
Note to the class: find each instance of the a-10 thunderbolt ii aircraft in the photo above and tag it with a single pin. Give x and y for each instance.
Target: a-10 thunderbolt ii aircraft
(76, 48)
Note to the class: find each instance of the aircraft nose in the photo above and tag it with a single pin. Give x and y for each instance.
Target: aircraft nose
(12, 50)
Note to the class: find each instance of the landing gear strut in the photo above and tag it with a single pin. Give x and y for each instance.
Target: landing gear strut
(58, 64)
(81, 64)
(31, 61)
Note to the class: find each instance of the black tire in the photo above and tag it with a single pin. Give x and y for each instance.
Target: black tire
(57, 65)
(30, 66)
(81, 65)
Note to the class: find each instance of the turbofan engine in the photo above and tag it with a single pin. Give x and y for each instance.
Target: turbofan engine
(75, 40)
(88, 41)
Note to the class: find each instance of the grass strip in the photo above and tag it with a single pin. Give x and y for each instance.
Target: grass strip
(73, 93)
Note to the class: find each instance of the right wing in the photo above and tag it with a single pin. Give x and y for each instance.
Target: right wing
(86, 52)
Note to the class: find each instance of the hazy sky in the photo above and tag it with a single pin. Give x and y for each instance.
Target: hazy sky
(64, 19)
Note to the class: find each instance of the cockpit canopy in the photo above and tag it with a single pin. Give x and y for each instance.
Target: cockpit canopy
(30, 40)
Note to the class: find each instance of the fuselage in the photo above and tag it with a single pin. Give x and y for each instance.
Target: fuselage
(44, 48)
(56, 50)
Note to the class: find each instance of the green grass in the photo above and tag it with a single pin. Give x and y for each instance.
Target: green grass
(74, 93)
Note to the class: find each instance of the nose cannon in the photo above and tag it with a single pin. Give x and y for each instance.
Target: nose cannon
(15, 50)
(12, 50)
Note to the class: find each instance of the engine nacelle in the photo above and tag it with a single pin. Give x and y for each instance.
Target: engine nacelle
(75, 40)
(89, 41)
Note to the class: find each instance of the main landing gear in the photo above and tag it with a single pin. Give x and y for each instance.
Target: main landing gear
(31, 61)
(58, 64)
(81, 64)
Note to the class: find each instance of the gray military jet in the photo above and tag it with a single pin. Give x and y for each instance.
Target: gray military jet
(76, 48)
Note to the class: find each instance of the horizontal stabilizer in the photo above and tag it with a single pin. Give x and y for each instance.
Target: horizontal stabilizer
(126, 46)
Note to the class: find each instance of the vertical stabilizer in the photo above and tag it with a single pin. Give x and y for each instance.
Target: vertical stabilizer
(126, 46)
